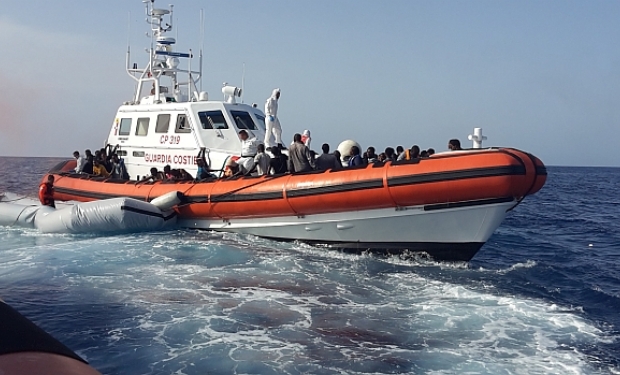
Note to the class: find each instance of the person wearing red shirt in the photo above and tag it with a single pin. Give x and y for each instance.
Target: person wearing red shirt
(46, 192)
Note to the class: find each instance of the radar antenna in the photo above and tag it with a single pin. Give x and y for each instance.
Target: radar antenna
(163, 63)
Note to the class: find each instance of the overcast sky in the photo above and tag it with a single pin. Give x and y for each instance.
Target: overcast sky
(542, 76)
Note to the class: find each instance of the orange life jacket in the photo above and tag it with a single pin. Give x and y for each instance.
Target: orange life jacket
(407, 154)
(46, 194)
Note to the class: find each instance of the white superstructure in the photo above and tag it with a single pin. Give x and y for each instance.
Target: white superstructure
(169, 120)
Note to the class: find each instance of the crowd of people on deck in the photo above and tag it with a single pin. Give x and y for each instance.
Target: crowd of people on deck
(257, 162)
(101, 164)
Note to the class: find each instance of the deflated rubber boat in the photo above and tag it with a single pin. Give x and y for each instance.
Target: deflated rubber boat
(447, 205)
(117, 215)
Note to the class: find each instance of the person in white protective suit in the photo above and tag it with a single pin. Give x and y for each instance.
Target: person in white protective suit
(271, 121)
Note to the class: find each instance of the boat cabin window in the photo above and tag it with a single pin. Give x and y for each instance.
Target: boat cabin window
(261, 122)
(212, 120)
(182, 125)
(163, 121)
(243, 120)
(142, 128)
(125, 127)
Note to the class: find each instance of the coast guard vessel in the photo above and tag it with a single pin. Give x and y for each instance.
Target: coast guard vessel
(447, 205)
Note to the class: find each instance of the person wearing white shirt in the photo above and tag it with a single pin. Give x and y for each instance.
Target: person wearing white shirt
(262, 161)
(249, 148)
(80, 162)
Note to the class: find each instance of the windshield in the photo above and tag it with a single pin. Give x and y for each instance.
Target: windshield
(243, 120)
(261, 121)
(212, 120)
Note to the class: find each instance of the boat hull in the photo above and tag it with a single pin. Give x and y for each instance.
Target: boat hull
(444, 233)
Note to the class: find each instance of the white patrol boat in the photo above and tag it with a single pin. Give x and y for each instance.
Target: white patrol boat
(447, 205)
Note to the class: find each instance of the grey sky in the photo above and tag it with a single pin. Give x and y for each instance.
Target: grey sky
(540, 76)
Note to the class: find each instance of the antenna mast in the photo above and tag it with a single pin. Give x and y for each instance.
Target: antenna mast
(163, 62)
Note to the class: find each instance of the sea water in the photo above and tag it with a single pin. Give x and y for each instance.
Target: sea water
(541, 297)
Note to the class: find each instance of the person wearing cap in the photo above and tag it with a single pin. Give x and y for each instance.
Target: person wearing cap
(249, 149)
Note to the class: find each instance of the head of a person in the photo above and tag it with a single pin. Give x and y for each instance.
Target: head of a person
(400, 149)
(96, 162)
(50, 179)
(276, 151)
(415, 151)
(76, 154)
(115, 158)
(337, 154)
(153, 171)
(389, 152)
(355, 150)
(423, 154)
(243, 135)
(370, 152)
(88, 153)
(231, 163)
(167, 169)
(297, 138)
(454, 144)
(261, 148)
(382, 156)
(306, 133)
(97, 154)
(325, 148)
(277, 93)
(430, 151)
(200, 163)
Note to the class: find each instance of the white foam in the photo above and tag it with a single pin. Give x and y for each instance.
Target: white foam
(279, 307)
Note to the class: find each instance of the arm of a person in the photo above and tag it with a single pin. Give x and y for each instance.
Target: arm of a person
(291, 165)
(309, 157)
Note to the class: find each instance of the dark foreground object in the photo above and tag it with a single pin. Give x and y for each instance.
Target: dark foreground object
(27, 349)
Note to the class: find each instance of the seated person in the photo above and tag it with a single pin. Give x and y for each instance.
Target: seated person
(231, 169)
(355, 160)
(454, 145)
(88, 164)
(99, 169)
(118, 169)
(279, 161)
(262, 161)
(154, 176)
(204, 171)
(183, 175)
(168, 174)
(410, 154)
(249, 148)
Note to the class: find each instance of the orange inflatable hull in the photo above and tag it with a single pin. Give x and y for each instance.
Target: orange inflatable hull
(444, 180)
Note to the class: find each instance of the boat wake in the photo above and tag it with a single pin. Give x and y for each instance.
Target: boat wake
(182, 301)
